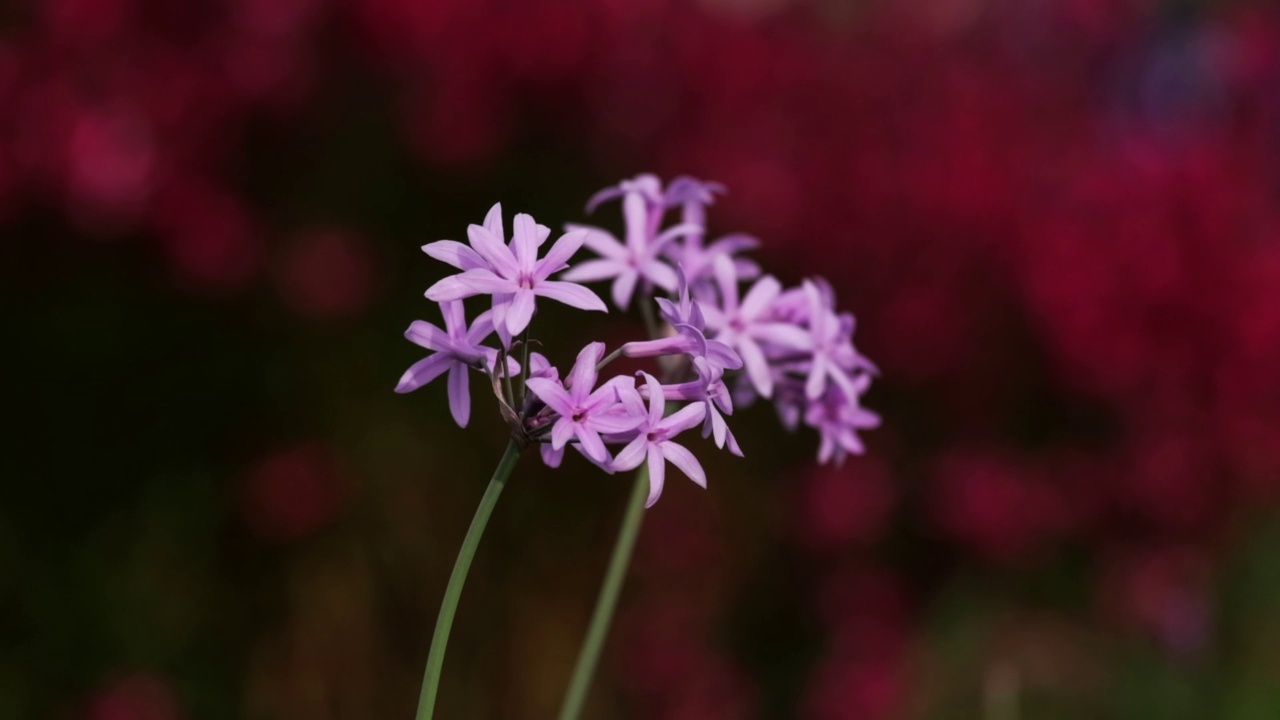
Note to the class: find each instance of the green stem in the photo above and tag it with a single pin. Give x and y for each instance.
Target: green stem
(506, 381)
(650, 320)
(607, 602)
(435, 659)
(608, 359)
(524, 370)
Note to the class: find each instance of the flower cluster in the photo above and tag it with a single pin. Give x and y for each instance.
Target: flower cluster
(791, 345)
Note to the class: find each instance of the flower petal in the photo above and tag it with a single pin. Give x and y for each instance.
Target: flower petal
(636, 214)
(817, 380)
(593, 270)
(424, 334)
(756, 366)
(493, 223)
(632, 402)
(455, 254)
(734, 243)
(570, 294)
(423, 372)
(602, 242)
(614, 423)
(680, 456)
(562, 432)
(727, 281)
(550, 456)
(493, 250)
(657, 474)
(723, 355)
(459, 394)
(760, 297)
(524, 241)
(558, 256)
(552, 393)
(660, 274)
(582, 378)
(480, 281)
(657, 400)
(451, 288)
(623, 287)
(784, 334)
(715, 426)
(732, 442)
(630, 457)
(675, 231)
(604, 195)
(591, 444)
(541, 233)
(480, 328)
(455, 318)
(521, 311)
(686, 417)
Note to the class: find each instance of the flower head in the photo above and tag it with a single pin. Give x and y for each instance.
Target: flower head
(653, 441)
(639, 257)
(838, 418)
(584, 413)
(455, 349)
(746, 325)
(685, 317)
(709, 388)
(513, 275)
(831, 343)
(693, 196)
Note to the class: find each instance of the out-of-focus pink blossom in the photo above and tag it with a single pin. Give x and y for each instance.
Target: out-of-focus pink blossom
(326, 274)
(141, 695)
(844, 505)
(292, 493)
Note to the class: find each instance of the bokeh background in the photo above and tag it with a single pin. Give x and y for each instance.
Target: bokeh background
(1057, 221)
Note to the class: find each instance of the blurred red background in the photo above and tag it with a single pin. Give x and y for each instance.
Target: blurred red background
(1058, 223)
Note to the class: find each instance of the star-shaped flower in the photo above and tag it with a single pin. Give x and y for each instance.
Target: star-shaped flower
(831, 338)
(637, 259)
(744, 326)
(456, 348)
(838, 418)
(653, 442)
(586, 414)
(513, 275)
(709, 388)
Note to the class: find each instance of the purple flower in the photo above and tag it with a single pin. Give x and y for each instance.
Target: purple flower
(456, 348)
(646, 185)
(653, 442)
(838, 418)
(685, 317)
(693, 196)
(833, 354)
(700, 260)
(584, 414)
(687, 340)
(709, 388)
(635, 260)
(684, 310)
(744, 326)
(513, 275)
(540, 367)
